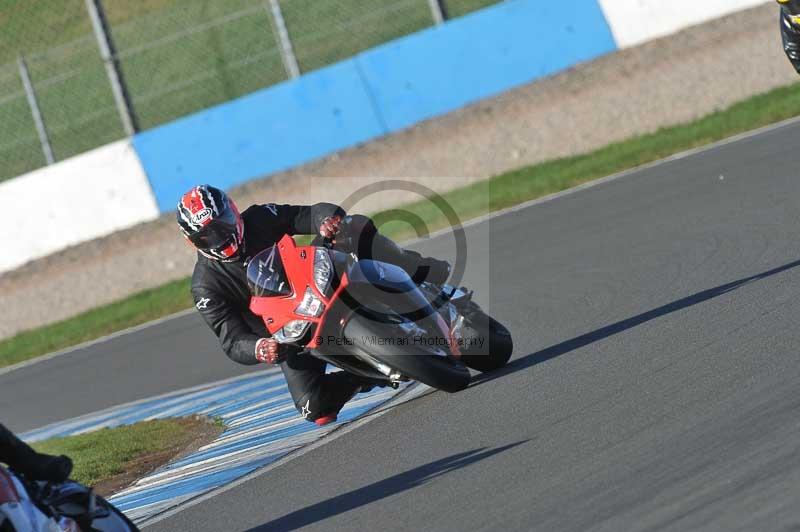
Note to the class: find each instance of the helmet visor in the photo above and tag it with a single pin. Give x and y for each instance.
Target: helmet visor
(218, 234)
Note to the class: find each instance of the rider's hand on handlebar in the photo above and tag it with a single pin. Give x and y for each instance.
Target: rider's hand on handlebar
(330, 226)
(268, 351)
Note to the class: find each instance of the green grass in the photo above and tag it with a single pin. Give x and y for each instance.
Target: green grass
(104, 454)
(177, 56)
(139, 308)
(497, 193)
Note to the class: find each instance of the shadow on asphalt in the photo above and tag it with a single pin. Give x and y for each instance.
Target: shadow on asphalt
(380, 490)
(554, 351)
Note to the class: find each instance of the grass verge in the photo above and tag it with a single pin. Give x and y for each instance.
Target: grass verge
(140, 308)
(502, 191)
(110, 459)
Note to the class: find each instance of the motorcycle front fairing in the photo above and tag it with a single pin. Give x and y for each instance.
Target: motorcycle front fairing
(386, 293)
(377, 291)
(373, 289)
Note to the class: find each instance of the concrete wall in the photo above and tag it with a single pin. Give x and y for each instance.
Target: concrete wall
(85, 197)
(636, 21)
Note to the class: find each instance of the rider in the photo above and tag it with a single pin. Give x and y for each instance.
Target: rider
(790, 30)
(23, 459)
(226, 240)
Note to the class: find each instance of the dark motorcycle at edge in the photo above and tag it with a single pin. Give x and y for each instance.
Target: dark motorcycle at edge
(39, 506)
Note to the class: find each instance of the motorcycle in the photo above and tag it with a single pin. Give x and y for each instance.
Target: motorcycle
(370, 319)
(38, 506)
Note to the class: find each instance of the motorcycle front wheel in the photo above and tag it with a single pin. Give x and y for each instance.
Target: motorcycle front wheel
(487, 343)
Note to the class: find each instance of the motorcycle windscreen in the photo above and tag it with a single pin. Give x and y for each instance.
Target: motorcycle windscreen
(266, 276)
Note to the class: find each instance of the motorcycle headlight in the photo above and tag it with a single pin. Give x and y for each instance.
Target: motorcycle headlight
(323, 270)
(292, 331)
(311, 305)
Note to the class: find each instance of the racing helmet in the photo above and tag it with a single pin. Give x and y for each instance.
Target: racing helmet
(210, 220)
(791, 12)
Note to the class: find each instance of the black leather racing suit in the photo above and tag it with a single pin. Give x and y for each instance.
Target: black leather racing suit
(222, 296)
(791, 37)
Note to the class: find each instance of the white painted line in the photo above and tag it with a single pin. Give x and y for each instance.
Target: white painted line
(168, 395)
(412, 392)
(233, 453)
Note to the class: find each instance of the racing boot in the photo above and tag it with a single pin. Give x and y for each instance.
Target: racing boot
(355, 385)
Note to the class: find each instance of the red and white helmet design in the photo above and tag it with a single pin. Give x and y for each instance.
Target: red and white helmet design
(210, 220)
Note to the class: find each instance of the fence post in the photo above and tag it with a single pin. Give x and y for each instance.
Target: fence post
(285, 43)
(438, 11)
(124, 104)
(33, 103)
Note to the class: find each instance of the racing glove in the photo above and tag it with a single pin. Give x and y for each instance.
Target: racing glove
(330, 226)
(270, 351)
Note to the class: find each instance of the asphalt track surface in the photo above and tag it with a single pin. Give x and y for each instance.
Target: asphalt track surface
(654, 384)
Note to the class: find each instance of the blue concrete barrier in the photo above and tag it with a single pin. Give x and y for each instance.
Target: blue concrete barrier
(480, 55)
(379, 91)
(264, 132)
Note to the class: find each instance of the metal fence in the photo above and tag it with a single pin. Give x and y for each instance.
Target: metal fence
(58, 83)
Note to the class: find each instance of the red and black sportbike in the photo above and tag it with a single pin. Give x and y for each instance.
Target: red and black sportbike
(370, 319)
